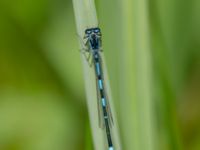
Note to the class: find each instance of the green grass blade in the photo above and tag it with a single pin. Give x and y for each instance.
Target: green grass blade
(136, 94)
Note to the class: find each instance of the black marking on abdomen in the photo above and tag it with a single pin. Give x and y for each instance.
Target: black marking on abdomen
(110, 144)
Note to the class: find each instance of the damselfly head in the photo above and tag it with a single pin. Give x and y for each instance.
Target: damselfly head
(93, 36)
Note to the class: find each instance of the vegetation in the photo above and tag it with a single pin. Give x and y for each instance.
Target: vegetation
(152, 55)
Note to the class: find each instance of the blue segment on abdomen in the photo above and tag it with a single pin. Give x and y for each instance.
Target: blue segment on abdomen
(100, 84)
(98, 69)
(103, 102)
(111, 148)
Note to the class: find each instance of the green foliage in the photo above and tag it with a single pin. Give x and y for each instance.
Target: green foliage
(152, 54)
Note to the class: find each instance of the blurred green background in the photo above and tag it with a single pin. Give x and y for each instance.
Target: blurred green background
(42, 100)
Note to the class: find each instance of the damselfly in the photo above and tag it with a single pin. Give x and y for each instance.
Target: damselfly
(93, 46)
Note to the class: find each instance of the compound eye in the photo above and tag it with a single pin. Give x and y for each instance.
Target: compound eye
(96, 30)
(88, 31)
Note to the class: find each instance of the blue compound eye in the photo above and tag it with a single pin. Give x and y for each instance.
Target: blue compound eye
(87, 31)
(96, 30)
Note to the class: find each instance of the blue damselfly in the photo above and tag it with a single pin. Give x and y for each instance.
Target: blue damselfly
(93, 47)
